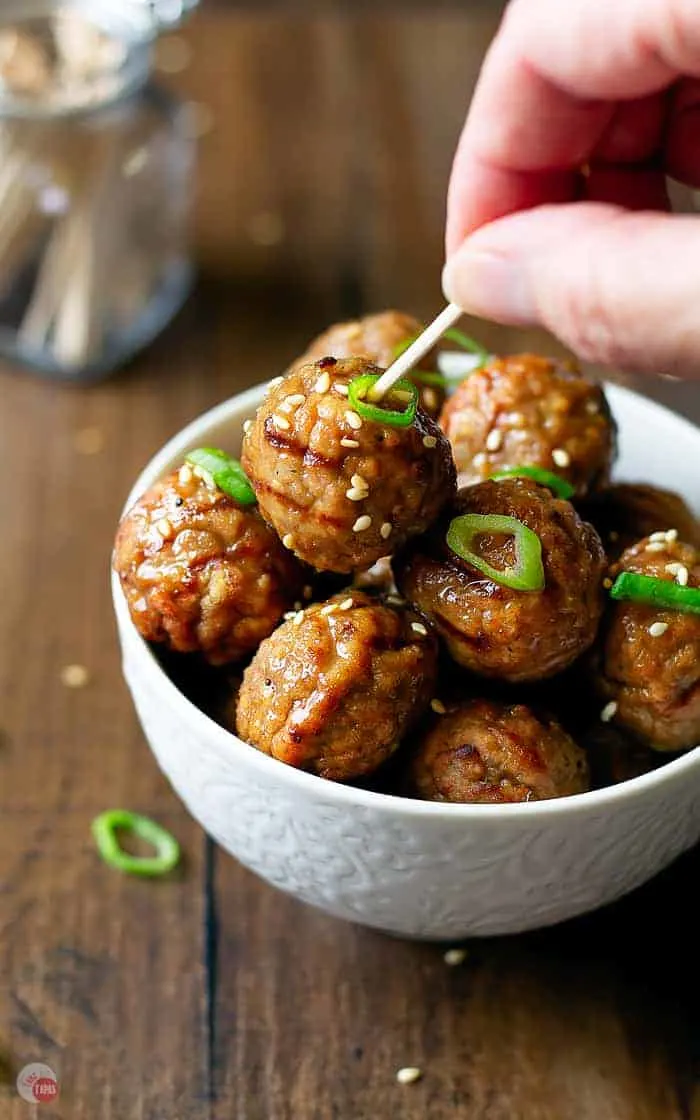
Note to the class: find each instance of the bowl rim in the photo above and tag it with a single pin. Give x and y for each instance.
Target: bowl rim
(337, 792)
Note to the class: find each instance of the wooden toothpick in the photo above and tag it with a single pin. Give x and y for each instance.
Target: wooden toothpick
(417, 350)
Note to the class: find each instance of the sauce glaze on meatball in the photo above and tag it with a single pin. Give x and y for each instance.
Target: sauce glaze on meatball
(653, 677)
(526, 410)
(342, 491)
(484, 751)
(493, 630)
(376, 338)
(334, 689)
(624, 513)
(202, 573)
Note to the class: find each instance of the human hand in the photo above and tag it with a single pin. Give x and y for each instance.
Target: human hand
(615, 89)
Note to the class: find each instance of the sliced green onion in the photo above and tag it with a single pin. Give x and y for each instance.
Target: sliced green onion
(442, 380)
(553, 482)
(104, 830)
(224, 472)
(358, 389)
(527, 574)
(467, 343)
(656, 592)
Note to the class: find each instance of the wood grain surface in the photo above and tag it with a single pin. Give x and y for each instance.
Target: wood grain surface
(209, 996)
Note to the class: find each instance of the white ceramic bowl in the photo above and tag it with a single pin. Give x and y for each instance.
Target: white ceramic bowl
(413, 868)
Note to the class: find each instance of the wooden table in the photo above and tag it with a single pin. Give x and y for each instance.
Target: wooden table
(211, 996)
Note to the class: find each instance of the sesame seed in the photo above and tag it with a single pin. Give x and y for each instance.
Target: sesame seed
(280, 422)
(671, 535)
(607, 583)
(329, 608)
(346, 605)
(294, 400)
(298, 618)
(395, 601)
(418, 628)
(514, 418)
(307, 591)
(324, 383)
(340, 388)
(429, 441)
(479, 459)
(494, 440)
(74, 676)
(655, 546)
(356, 494)
(408, 1074)
(430, 398)
(592, 407)
(353, 419)
(298, 605)
(360, 482)
(561, 457)
(248, 424)
(362, 523)
(608, 711)
(657, 629)
(345, 442)
(385, 531)
(288, 540)
(658, 536)
(682, 575)
(164, 528)
(672, 568)
(438, 706)
(184, 475)
(275, 381)
(289, 615)
(455, 956)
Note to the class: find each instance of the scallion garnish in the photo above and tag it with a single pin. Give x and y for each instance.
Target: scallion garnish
(467, 343)
(656, 592)
(441, 380)
(403, 391)
(104, 830)
(553, 482)
(224, 472)
(527, 574)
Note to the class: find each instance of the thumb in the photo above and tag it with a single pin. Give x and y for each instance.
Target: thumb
(618, 288)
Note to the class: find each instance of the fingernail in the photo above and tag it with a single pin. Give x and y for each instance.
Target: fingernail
(490, 286)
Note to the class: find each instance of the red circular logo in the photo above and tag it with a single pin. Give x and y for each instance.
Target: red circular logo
(45, 1089)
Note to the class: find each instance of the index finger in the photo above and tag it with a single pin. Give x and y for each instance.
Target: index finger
(547, 93)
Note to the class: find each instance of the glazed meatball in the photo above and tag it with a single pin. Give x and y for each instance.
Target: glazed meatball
(648, 660)
(201, 572)
(628, 511)
(334, 689)
(493, 752)
(377, 338)
(342, 491)
(530, 411)
(494, 630)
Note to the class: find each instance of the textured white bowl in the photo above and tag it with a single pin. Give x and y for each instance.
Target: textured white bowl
(413, 868)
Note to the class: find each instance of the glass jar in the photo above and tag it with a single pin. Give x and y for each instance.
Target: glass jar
(96, 165)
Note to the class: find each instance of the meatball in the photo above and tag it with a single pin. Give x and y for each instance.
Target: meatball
(377, 338)
(647, 664)
(341, 491)
(494, 752)
(628, 511)
(201, 572)
(494, 630)
(334, 689)
(530, 411)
